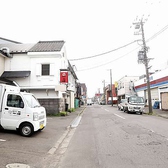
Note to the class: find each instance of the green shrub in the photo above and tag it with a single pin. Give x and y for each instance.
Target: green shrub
(71, 110)
(63, 113)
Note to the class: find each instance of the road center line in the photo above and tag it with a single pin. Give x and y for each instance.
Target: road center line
(119, 116)
(2, 140)
(151, 130)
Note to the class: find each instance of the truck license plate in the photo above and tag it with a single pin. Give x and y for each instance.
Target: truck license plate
(41, 126)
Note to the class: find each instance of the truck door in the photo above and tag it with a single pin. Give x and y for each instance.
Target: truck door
(13, 111)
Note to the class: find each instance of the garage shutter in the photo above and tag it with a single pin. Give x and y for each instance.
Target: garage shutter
(154, 95)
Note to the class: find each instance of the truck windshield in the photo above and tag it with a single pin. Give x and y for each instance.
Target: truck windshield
(136, 100)
(31, 101)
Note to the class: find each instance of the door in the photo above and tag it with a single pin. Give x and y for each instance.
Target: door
(164, 98)
(13, 111)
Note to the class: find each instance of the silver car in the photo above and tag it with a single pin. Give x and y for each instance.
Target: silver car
(121, 104)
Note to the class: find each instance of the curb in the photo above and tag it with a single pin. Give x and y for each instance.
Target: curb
(159, 115)
(77, 120)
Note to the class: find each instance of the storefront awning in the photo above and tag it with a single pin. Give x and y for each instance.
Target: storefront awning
(15, 74)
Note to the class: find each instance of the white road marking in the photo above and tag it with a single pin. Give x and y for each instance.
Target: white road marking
(76, 121)
(56, 146)
(106, 110)
(152, 130)
(119, 116)
(2, 140)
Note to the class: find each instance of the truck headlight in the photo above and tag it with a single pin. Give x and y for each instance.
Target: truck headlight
(35, 116)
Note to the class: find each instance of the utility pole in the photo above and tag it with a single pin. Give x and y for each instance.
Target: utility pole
(104, 95)
(142, 58)
(111, 87)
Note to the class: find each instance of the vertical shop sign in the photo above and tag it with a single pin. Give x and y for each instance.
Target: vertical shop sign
(63, 77)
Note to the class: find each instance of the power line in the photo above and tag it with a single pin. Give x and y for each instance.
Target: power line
(102, 53)
(151, 38)
(156, 34)
(109, 61)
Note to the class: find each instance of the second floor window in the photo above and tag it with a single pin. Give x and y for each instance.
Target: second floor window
(45, 69)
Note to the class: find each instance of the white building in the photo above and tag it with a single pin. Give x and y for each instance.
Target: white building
(36, 68)
(126, 86)
(2, 55)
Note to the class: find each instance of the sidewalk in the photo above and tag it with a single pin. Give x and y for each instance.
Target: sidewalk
(157, 112)
(77, 117)
(73, 116)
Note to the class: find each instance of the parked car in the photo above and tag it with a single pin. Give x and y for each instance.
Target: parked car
(121, 104)
(109, 102)
(102, 102)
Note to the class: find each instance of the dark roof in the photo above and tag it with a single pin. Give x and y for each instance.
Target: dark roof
(17, 48)
(3, 40)
(41, 46)
(15, 74)
(47, 46)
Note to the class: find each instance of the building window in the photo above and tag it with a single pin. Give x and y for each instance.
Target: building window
(45, 70)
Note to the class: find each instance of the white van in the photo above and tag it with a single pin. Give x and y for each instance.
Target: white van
(20, 111)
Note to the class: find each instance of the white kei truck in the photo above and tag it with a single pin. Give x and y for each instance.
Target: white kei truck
(20, 111)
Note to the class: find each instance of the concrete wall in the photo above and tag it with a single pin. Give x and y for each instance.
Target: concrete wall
(53, 106)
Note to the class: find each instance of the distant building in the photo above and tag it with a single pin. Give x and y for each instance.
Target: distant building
(83, 92)
(126, 86)
(111, 91)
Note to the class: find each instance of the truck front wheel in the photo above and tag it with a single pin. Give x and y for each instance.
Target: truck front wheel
(26, 129)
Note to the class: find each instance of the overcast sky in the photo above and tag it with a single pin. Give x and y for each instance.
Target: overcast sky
(90, 28)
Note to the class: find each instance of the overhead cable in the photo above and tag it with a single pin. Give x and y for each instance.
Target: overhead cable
(151, 38)
(77, 59)
(156, 34)
(109, 61)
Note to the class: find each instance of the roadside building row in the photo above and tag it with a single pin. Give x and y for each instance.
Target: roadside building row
(135, 85)
(158, 86)
(44, 70)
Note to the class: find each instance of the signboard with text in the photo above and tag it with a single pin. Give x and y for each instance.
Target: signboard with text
(63, 77)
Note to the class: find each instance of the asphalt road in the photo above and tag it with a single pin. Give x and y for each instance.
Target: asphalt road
(108, 138)
(36, 150)
(102, 137)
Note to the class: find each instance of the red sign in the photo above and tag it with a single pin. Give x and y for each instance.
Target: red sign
(63, 77)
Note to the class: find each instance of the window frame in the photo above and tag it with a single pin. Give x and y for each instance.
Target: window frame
(15, 101)
(45, 69)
